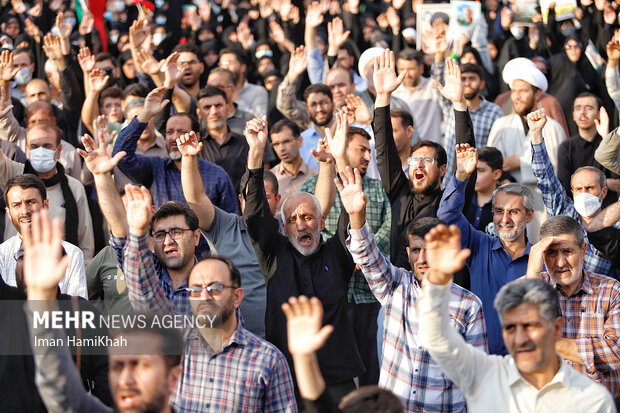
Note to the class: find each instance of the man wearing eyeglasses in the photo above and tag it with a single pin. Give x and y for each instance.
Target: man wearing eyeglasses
(493, 262)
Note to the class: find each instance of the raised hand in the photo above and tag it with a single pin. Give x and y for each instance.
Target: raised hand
(52, 48)
(356, 103)
(314, 15)
(303, 323)
(138, 34)
(33, 30)
(336, 35)
(44, 265)
(536, 121)
(86, 60)
(98, 80)
(613, 52)
(321, 153)
(393, 19)
(101, 125)
(96, 155)
(466, 161)
(537, 256)
(18, 6)
(384, 77)
(453, 89)
(256, 133)
(4, 108)
(276, 32)
(298, 63)
(7, 71)
(443, 253)
(189, 144)
(148, 63)
(64, 28)
(602, 123)
(244, 35)
(172, 71)
(337, 140)
(87, 23)
(35, 11)
(351, 193)
(139, 210)
(153, 104)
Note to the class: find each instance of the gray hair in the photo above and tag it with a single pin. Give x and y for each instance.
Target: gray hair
(134, 103)
(562, 224)
(299, 194)
(532, 291)
(516, 189)
(602, 179)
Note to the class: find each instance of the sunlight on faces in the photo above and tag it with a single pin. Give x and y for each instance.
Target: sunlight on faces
(585, 112)
(191, 68)
(510, 226)
(286, 144)
(175, 254)
(416, 251)
(529, 338)
(564, 260)
(486, 177)
(587, 181)
(223, 82)
(320, 108)
(339, 82)
(21, 204)
(176, 127)
(213, 110)
(472, 85)
(524, 97)
(112, 108)
(229, 61)
(37, 89)
(141, 383)
(358, 153)
(402, 136)
(414, 71)
(425, 178)
(303, 223)
(573, 50)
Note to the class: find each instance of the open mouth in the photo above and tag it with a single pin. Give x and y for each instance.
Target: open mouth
(418, 176)
(127, 399)
(171, 252)
(305, 240)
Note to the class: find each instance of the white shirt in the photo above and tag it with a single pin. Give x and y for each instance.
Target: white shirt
(423, 104)
(74, 281)
(493, 383)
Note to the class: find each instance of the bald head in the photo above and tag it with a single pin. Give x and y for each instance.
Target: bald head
(37, 90)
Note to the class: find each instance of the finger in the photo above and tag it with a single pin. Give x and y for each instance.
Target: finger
(338, 185)
(304, 306)
(350, 175)
(324, 334)
(288, 311)
(358, 176)
(101, 139)
(117, 158)
(293, 306)
(437, 84)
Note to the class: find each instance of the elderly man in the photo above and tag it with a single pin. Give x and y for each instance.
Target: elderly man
(406, 367)
(533, 377)
(590, 302)
(588, 187)
(493, 261)
(301, 263)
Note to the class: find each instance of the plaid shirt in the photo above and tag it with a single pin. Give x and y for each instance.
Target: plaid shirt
(379, 216)
(592, 318)
(148, 282)
(247, 375)
(163, 178)
(406, 368)
(558, 203)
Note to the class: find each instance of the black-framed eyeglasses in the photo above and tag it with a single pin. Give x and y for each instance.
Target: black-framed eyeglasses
(511, 212)
(175, 234)
(214, 290)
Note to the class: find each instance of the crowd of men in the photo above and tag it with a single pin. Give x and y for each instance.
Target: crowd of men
(370, 224)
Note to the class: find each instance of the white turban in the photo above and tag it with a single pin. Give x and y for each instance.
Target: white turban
(366, 57)
(526, 70)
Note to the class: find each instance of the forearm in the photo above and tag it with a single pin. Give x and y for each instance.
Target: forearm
(193, 190)
(287, 104)
(310, 38)
(607, 153)
(90, 110)
(181, 100)
(325, 189)
(255, 158)
(567, 348)
(309, 378)
(382, 100)
(111, 204)
(606, 218)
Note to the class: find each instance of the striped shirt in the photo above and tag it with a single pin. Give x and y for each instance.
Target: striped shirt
(592, 318)
(406, 367)
(558, 203)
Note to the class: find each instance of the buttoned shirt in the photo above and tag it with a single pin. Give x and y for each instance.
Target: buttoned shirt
(591, 317)
(492, 383)
(406, 367)
(379, 216)
(162, 176)
(490, 266)
(289, 183)
(559, 203)
(232, 155)
(253, 99)
(424, 106)
(74, 281)
(247, 375)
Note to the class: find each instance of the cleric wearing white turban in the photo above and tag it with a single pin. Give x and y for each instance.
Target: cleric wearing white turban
(524, 69)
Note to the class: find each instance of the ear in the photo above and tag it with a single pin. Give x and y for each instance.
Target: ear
(300, 140)
(538, 94)
(198, 113)
(409, 132)
(530, 216)
(482, 84)
(442, 170)
(584, 248)
(197, 237)
(278, 198)
(46, 204)
(604, 193)
(238, 297)
(558, 326)
(174, 374)
(59, 149)
(497, 174)
(322, 223)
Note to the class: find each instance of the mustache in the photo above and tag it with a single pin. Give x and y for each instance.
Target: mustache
(304, 233)
(526, 346)
(559, 269)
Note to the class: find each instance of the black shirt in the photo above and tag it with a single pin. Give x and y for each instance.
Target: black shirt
(232, 155)
(325, 274)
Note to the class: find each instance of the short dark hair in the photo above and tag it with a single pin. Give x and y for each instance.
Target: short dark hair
(25, 50)
(25, 181)
(210, 91)
(285, 123)
(492, 157)
(192, 118)
(559, 225)
(135, 89)
(100, 57)
(113, 92)
(421, 226)
(405, 117)
(440, 152)
(340, 69)
(354, 130)
(318, 88)
(472, 68)
(411, 54)
(172, 208)
(47, 125)
(239, 53)
(370, 399)
(188, 48)
(599, 102)
(270, 177)
(235, 275)
(231, 75)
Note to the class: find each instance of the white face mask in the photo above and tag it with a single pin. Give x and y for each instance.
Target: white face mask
(42, 159)
(158, 38)
(587, 204)
(517, 32)
(23, 76)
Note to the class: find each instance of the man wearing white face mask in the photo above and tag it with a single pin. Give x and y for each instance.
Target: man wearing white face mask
(588, 185)
(22, 59)
(67, 198)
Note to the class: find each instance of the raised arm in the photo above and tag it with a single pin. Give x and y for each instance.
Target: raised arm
(193, 188)
(314, 18)
(607, 218)
(286, 101)
(97, 81)
(608, 152)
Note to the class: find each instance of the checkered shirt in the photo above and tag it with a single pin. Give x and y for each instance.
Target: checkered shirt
(379, 216)
(558, 203)
(406, 367)
(592, 318)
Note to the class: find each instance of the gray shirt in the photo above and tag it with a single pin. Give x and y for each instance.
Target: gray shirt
(228, 237)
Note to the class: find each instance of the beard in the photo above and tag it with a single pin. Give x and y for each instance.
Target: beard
(471, 95)
(153, 404)
(509, 235)
(426, 189)
(328, 119)
(303, 250)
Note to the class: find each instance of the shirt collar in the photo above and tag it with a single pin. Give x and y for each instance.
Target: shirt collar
(585, 284)
(560, 378)
(239, 336)
(497, 244)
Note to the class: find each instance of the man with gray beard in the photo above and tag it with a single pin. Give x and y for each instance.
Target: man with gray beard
(301, 263)
(493, 261)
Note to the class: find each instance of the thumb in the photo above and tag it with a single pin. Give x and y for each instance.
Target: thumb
(437, 84)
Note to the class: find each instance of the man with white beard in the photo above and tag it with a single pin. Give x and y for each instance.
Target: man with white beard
(301, 263)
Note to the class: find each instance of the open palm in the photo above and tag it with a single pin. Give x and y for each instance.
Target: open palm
(384, 77)
(303, 322)
(466, 159)
(443, 249)
(7, 71)
(351, 191)
(453, 89)
(96, 155)
(189, 144)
